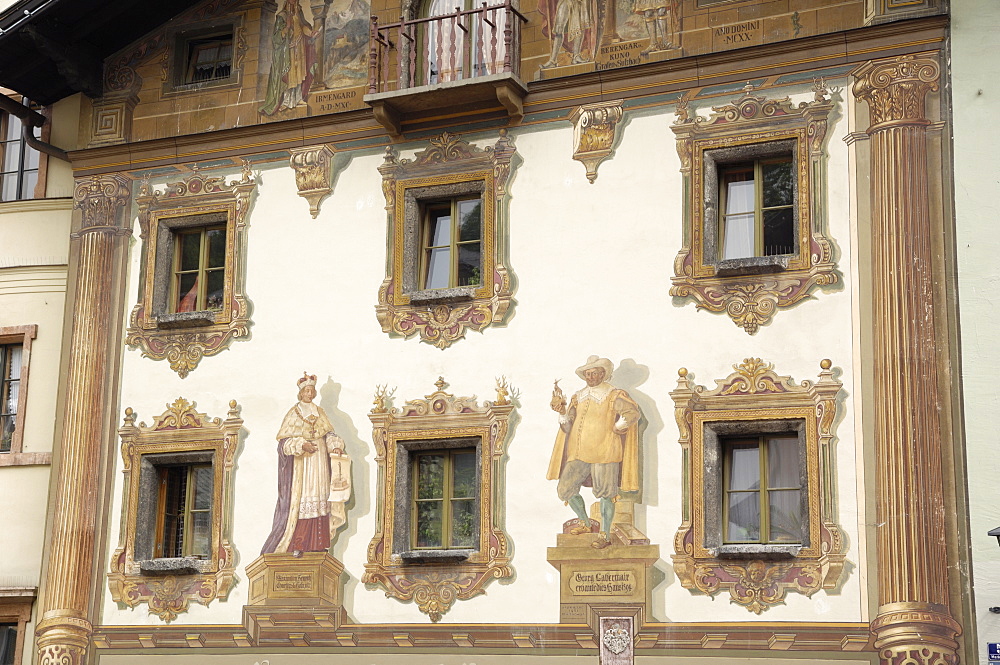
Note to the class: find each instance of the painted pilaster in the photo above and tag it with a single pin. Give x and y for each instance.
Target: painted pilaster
(914, 622)
(64, 631)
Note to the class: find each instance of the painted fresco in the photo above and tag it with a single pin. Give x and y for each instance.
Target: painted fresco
(314, 49)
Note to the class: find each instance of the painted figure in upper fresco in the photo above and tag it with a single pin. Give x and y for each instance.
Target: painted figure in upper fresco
(660, 17)
(314, 478)
(292, 60)
(597, 445)
(571, 26)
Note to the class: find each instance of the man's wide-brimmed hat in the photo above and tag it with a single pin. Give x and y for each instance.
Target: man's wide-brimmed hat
(595, 362)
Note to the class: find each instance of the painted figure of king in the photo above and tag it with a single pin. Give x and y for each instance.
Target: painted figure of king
(314, 479)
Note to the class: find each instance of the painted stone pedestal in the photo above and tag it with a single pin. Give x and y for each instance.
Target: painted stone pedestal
(594, 583)
(297, 593)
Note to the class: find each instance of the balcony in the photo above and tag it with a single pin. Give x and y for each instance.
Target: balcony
(463, 61)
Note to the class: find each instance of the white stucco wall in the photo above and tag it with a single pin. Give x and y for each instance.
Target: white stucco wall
(592, 263)
(975, 95)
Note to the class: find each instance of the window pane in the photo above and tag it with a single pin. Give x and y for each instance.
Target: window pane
(216, 282)
(464, 476)
(174, 496)
(30, 158)
(201, 535)
(12, 156)
(216, 248)
(8, 638)
(779, 232)
(470, 214)
(10, 403)
(744, 467)
(785, 516)
(469, 265)
(744, 517)
(438, 268)
(430, 476)
(783, 462)
(14, 351)
(13, 127)
(6, 433)
(190, 250)
(463, 523)
(28, 183)
(187, 293)
(9, 187)
(440, 229)
(738, 236)
(429, 524)
(204, 481)
(739, 192)
(778, 183)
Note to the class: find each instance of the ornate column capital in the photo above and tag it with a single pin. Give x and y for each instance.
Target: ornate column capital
(99, 198)
(895, 89)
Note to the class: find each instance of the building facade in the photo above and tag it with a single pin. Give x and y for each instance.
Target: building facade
(539, 331)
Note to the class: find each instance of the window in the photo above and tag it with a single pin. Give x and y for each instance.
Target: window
(757, 216)
(193, 271)
(209, 59)
(763, 490)
(19, 176)
(471, 45)
(8, 642)
(452, 244)
(15, 612)
(178, 476)
(445, 509)
(10, 384)
(15, 354)
(754, 174)
(447, 212)
(440, 498)
(184, 511)
(199, 278)
(758, 492)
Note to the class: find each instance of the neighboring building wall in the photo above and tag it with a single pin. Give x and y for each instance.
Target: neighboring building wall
(34, 237)
(973, 32)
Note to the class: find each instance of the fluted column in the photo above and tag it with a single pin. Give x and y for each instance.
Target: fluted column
(914, 622)
(64, 631)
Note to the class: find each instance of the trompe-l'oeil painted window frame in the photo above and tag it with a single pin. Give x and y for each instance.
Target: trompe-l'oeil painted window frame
(751, 289)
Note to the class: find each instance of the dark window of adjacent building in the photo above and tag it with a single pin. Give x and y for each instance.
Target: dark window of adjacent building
(19, 176)
(763, 489)
(8, 642)
(209, 59)
(184, 511)
(452, 233)
(199, 270)
(10, 391)
(756, 211)
(445, 513)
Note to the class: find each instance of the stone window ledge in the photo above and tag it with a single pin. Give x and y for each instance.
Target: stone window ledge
(186, 319)
(436, 556)
(187, 565)
(755, 551)
(436, 296)
(752, 265)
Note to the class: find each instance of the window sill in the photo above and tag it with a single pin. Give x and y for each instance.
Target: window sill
(25, 459)
(442, 296)
(752, 265)
(186, 319)
(435, 556)
(175, 566)
(753, 551)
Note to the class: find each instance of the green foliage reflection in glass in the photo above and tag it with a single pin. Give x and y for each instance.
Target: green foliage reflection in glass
(452, 244)
(445, 511)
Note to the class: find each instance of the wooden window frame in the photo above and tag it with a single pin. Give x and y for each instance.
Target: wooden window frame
(179, 436)
(759, 209)
(38, 192)
(192, 49)
(15, 608)
(23, 335)
(202, 270)
(426, 229)
(763, 442)
(184, 40)
(186, 513)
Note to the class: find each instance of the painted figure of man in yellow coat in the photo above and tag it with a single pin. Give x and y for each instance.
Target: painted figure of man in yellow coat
(597, 445)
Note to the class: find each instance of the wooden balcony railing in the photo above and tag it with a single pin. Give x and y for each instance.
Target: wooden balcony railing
(463, 45)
